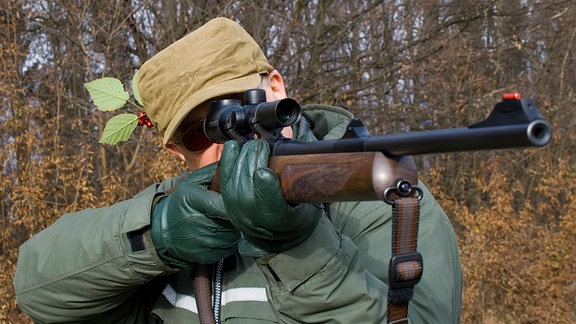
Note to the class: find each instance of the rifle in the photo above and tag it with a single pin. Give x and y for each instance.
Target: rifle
(360, 166)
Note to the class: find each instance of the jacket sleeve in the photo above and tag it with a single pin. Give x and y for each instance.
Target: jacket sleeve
(90, 265)
(340, 274)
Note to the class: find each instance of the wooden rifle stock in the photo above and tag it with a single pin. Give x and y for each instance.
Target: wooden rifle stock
(340, 176)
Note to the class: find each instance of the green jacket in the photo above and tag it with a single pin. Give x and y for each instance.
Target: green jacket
(86, 267)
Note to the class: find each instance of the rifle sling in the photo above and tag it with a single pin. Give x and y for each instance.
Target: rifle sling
(202, 284)
(405, 268)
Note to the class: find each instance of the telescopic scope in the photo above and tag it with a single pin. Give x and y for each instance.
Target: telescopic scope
(228, 119)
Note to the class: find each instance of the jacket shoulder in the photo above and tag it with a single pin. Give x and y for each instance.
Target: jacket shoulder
(329, 121)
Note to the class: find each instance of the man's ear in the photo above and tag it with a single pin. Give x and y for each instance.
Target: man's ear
(173, 148)
(277, 84)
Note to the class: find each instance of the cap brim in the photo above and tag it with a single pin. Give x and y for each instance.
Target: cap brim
(223, 88)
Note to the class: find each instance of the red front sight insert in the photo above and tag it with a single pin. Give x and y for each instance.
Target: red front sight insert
(510, 96)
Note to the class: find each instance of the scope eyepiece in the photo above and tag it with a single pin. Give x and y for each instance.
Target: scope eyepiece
(216, 125)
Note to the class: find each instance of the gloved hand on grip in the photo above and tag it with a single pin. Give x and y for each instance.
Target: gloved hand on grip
(190, 225)
(255, 203)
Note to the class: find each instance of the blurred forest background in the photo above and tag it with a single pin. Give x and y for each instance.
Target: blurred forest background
(399, 65)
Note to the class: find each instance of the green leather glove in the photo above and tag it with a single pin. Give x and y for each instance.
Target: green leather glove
(255, 203)
(190, 225)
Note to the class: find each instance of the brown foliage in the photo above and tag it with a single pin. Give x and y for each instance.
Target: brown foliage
(398, 65)
(518, 258)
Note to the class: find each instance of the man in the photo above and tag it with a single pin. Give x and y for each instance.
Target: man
(136, 261)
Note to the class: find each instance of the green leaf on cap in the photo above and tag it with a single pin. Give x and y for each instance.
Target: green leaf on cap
(135, 88)
(107, 93)
(119, 128)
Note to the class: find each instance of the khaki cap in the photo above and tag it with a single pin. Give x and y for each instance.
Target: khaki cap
(217, 59)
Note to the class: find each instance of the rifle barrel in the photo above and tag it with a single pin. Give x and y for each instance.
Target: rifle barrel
(534, 133)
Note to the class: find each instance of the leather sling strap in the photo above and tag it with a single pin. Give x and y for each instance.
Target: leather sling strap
(405, 268)
(202, 285)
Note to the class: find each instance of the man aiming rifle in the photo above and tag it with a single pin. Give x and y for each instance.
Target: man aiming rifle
(179, 252)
